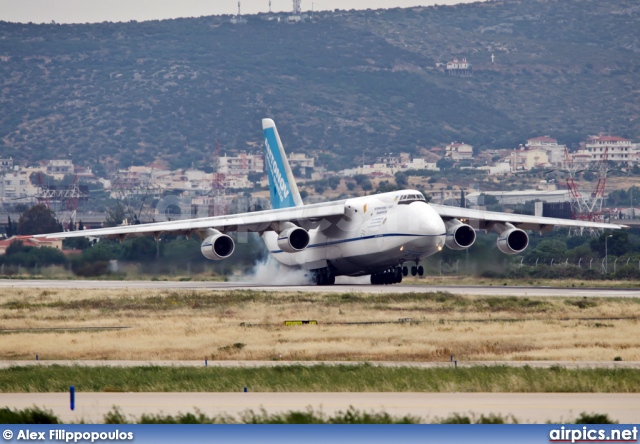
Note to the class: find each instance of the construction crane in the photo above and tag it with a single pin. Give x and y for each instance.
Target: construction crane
(218, 191)
(588, 208)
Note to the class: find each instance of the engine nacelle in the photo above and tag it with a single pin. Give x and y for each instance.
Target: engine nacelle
(460, 236)
(513, 241)
(293, 239)
(217, 246)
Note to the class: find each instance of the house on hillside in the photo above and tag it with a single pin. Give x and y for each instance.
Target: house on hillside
(243, 163)
(522, 159)
(459, 67)
(555, 152)
(613, 148)
(458, 151)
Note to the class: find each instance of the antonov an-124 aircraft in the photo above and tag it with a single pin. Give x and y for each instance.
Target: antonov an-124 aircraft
(383, 235)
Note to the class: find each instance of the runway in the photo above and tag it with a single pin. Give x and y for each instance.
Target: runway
(525, 407)
(343, 288)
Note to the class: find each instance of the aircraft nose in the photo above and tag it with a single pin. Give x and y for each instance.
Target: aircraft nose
(432, 224)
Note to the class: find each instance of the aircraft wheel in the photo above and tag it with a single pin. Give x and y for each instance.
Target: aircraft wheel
(414, 270)
(420, 270)
(405, 271)
(331, 279)
(398, 275)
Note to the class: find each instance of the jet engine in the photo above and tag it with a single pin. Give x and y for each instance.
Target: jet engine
(293, 239)
(513, 241)
(217, 246)
(460, 236)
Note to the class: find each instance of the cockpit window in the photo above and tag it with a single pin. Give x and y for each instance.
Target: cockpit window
(408, 198)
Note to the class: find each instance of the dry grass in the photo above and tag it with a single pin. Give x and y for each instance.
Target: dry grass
(555, 283)
(185, 325)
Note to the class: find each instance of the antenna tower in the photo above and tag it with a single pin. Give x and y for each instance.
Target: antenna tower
(296, 7)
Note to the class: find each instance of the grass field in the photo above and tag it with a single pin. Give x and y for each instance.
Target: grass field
(320, 378)
(248, 325)
(36, 415)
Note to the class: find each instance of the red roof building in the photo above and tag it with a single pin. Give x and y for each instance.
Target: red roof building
(29, 241)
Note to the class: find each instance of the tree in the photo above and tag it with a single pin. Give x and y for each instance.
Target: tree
(617, 245)
(402, 180)
(444, 164)
(359, 178)
(11, 229)
(255, 177)
(366, 185)
(38, 220)
(334, 182)
(115, 216)
(385, 187)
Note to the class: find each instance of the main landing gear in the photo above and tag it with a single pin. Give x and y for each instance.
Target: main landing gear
(325, 277)
(416, 269)
(392, 275)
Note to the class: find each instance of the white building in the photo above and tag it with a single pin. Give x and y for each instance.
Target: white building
(306, 164)
(616, 149)
(241, 164)
(59, 168)
(524, 160)
(498, 168)
(16, 185)
(459, 67)
(459, 151)
(390, 165)
(6, 164)
(555, 152)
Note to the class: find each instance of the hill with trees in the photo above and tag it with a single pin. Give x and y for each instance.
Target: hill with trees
(340, 85)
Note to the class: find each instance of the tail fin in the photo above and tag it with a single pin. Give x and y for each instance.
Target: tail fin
(282, 185)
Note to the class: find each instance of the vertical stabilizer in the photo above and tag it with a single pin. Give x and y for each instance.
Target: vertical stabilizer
(282, 185)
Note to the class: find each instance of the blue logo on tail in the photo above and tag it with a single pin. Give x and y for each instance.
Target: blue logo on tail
(279, 188)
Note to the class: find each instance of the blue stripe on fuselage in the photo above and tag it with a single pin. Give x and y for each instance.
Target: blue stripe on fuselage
(353, 239)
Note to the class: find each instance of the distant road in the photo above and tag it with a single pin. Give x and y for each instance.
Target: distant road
(344, 288)
(525, 407)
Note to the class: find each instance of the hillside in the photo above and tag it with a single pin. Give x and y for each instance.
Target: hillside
(344, 84)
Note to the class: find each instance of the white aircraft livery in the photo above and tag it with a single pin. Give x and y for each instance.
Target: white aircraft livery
(383, 235)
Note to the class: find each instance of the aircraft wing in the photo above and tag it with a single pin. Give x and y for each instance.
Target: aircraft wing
(307, 216)
(485, 220)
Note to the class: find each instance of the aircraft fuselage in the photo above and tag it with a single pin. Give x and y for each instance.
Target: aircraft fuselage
(377, 232)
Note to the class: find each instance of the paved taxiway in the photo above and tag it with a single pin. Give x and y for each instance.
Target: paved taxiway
(525, 407)
(343, 288)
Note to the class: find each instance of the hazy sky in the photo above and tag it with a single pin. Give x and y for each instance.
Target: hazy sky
(83, 11)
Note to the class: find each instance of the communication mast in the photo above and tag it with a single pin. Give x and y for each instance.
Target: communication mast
(296, 7)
